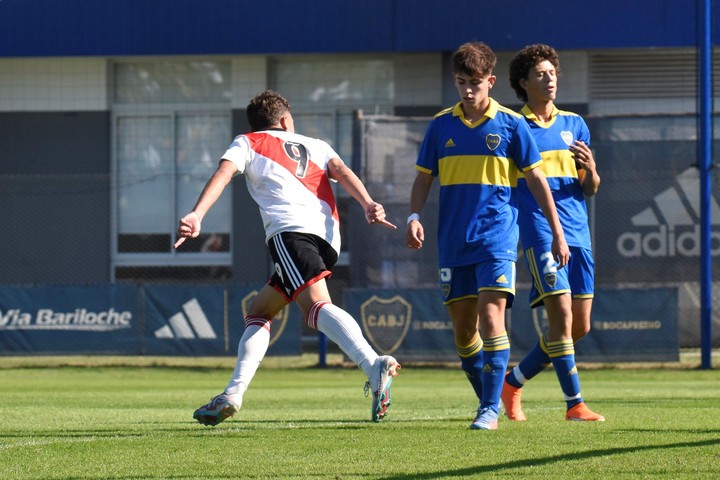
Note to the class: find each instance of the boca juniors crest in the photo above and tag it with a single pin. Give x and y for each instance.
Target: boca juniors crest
(492, 141)
(386, 321)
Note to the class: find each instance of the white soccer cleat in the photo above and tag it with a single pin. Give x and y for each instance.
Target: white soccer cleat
(218, 409)
(383, 371)
(486, 419)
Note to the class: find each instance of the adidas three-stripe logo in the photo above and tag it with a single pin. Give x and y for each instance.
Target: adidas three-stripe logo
(191, 324)
(671, 227)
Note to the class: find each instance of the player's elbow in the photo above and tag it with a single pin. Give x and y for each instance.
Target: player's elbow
(590, 189)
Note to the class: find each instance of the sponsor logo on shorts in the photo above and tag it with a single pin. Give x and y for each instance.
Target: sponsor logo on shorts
(445, 281)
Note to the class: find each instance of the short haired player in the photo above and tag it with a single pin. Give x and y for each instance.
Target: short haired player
(288, 175)
(476, 150)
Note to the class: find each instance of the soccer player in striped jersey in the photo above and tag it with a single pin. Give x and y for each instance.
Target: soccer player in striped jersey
(566, 293)
(288, 175)
(476, 149)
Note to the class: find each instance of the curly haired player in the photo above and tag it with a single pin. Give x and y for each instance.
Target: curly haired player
(567, 293)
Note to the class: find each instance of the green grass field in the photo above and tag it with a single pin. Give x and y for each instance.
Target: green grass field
(129, 422)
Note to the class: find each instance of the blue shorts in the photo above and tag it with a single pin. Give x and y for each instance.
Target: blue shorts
(459, 283)
(576, 278)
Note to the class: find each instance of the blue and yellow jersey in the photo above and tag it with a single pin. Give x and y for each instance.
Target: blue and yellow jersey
(477, 166)
(553, 138)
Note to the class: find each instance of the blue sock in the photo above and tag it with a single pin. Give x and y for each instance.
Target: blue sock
(496, 355)
(471, 360)
(562, 354)
(534, 362)
(473, 370)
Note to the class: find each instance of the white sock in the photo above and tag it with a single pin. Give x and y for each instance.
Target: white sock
(341, 328)
(519, 375)
(251, 350)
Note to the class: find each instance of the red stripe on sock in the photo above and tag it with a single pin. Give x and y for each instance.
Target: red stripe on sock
(259, 321)
(314, 312)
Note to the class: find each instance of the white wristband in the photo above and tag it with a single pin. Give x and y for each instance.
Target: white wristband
(413, 216)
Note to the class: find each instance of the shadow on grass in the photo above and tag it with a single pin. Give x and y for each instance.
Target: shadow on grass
(185, 429)
(538, 462)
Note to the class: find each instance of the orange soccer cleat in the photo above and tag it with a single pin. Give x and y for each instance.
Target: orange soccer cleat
(582, 413)
(511, 400)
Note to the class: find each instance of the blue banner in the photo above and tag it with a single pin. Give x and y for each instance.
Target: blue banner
(411, 324)
(69, 320)
(209, 320)
(285, 330)
(627, 325)
(129, 320)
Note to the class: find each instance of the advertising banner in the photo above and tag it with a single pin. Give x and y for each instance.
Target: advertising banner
(209, 320)
(197, 320)
(646, 215)
(637, 325)
(627, 325)
(69, 320)
(187, 320)
(286, 327)
(409, 323)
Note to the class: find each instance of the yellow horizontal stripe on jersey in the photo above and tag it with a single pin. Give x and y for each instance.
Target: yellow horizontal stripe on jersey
(558, 163)
(478, 170)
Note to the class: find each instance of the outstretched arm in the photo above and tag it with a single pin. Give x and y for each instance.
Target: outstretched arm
(537, 183)
(190, 224)
(374, 212)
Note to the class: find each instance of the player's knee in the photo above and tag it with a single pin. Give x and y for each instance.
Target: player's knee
(579, 331)
(465, 337)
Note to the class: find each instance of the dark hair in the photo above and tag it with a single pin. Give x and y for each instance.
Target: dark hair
(525, 60)
(266, 109)
(475, 59)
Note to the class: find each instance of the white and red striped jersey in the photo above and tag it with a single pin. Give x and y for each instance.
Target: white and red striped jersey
(286, 175)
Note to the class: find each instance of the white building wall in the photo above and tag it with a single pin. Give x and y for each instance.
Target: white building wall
(573, 83)
(249, 78)
(418, 79)
(85, 83)
(53, 84)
